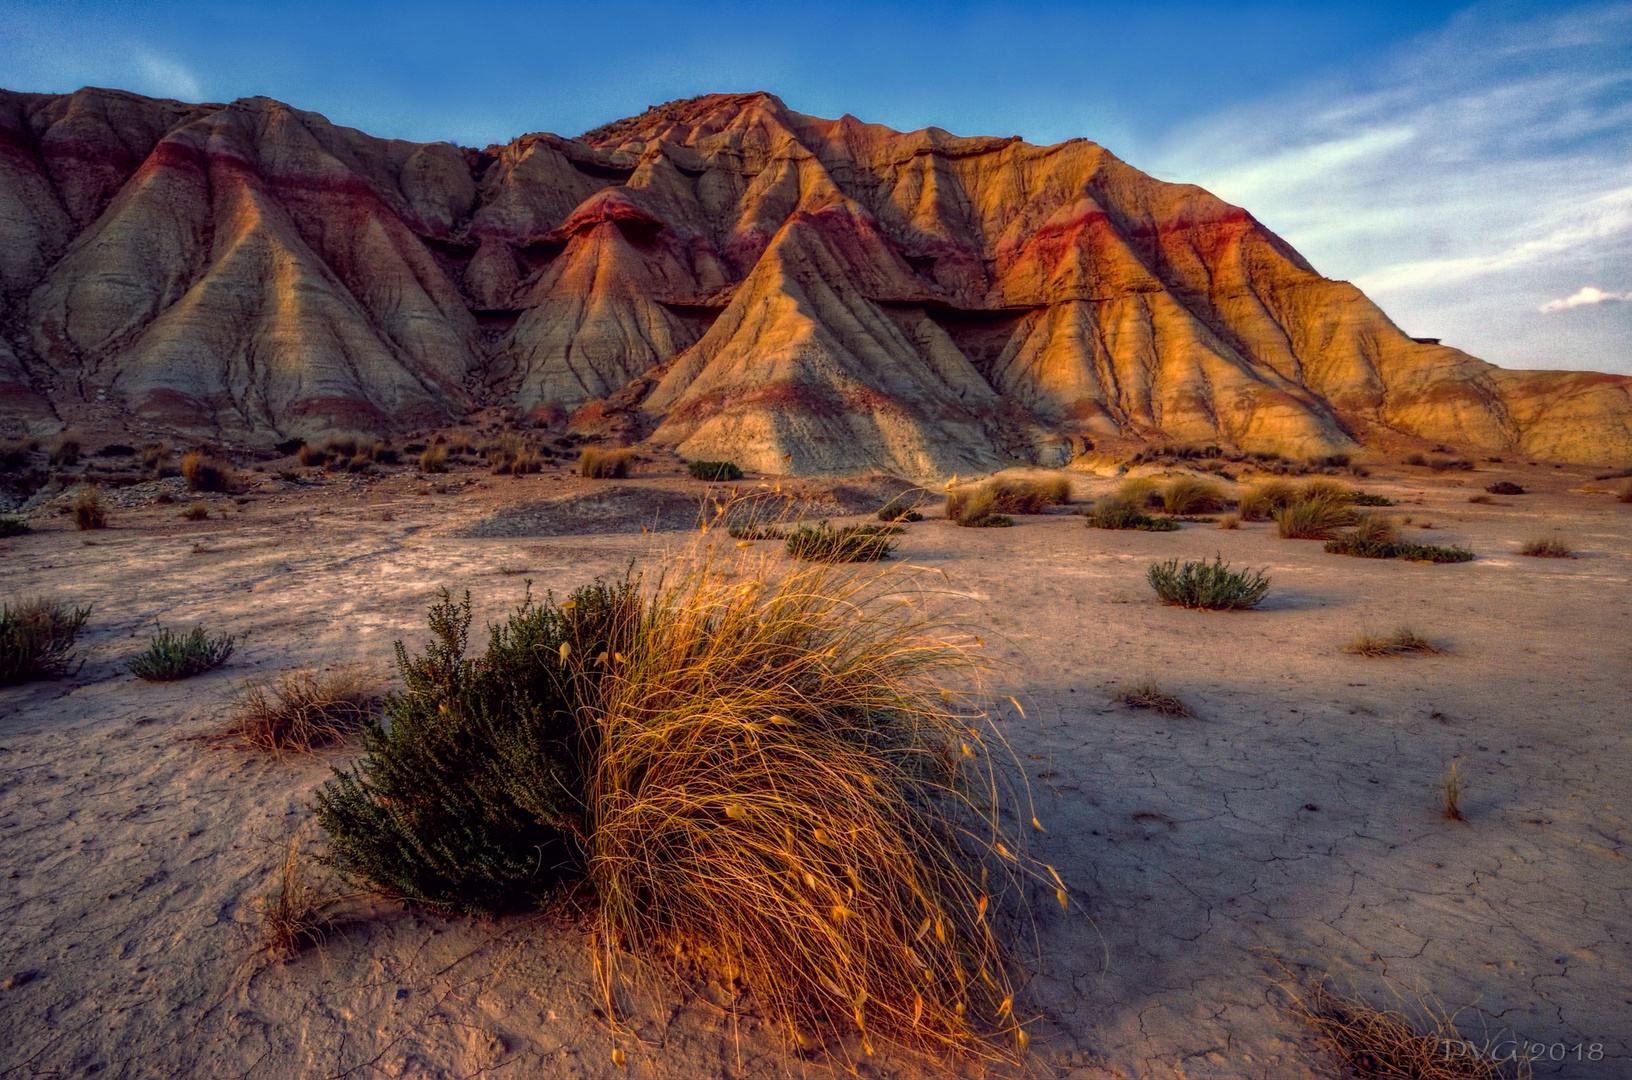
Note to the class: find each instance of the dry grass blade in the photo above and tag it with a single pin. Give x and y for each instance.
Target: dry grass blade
(782, 793)
(1392, 1046)
(1452, 789)
(293, 914)
(302, 711)
(1400, 643)
(1145, 694)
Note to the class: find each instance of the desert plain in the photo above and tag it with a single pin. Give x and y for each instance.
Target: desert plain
(1291, 830)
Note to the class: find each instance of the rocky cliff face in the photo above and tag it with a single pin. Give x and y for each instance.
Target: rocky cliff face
(746, 282)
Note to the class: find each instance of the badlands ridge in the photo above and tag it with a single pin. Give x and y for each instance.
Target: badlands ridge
(721, 276)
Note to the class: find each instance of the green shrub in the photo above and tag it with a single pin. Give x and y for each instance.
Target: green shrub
(14, 525)
(472, 799)
(170, 656)
(714, 470)
(1213, 586)
(1118, 512)
(1366, 498)
(37, 639)
(1377, 537)
(852, 543)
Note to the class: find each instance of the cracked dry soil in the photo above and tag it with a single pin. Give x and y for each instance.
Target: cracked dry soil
(1291, 826)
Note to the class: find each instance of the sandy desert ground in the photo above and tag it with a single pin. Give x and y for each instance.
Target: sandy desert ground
(1291, 827)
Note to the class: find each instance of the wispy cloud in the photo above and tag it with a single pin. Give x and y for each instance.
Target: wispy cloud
(167, 78)
(1463, 183)
(1587, 296)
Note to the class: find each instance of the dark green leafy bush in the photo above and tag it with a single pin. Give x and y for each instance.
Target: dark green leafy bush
(170, 656)
(471, 799)
(714, 470)
(13, 525)
(1366, 498)
(852, 543)
(1213, 585)
(37, 639)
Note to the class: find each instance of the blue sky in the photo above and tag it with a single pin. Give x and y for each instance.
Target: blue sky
(1470, 166)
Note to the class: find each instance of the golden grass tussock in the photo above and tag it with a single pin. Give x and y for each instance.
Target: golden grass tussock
(1146, 694)
(1261, 501)
(1548, 547)
(1193, 495)
(1385, 1043)
(90, 509)
(786, 790)
(433, 459)
(1402, 642)
(1230, 521)
(596, 464)
(204, 473)
(999, 496)
(301, 711)
(1316, 518)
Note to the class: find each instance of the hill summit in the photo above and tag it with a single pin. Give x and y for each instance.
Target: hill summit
(720, 275)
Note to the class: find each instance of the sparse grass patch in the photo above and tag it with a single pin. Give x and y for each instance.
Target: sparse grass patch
(1380, 1043)
(433, 459)
(14, 525)
(1120, 512)
(302, 711)
(714, 470)
(852, 543)
(1402, 642)
(292, 915)
(1366, 498)
(598, 464)
(197, 511)
(204, 473)
(1484, 500)
(170, 656)
(1213, 586)
(37, 639)
(90, 509)
(1548, 547)
(1452, 790)
(1504, 487)
(1145, 694)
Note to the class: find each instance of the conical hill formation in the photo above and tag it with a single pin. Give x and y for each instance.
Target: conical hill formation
(721, 276)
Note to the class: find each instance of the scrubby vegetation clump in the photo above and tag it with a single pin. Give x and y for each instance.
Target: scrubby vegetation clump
(1377, 537)
(764, 775)
(851, 543)
(302, 711)
(90, 509)
(37, 639)
(1121, 512)
(1548, 547)
(1213, 586)
(714, 470)
(1001, 496)
(170, 656)
(595, 464)
(205, 473)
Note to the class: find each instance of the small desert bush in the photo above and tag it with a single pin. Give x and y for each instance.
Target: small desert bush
(301, 711)
(851, 543)
(340, 448)
(714, 470)
(13, 525)
(1191, 495)
(512, 456)
(904, 507)
(90, 509)
(1402, 642)
(1120, 512)
(156, 457)
(1213, 586)
(170, 656)
(204, 473)
(311, 456)
(360, 463)
(37, 639)
(1375, 537)
(1230, 521)
(197, 511)
(1504, 487)
(292, 915)
(604, 464)
(1145, 694)
(1387, 1044)
(1366, 498)
(433, 459)
(1549, 547)
(1450, 464)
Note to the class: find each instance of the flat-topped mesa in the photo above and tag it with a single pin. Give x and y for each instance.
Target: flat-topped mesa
(741, 280)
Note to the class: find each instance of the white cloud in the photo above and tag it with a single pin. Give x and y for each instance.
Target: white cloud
(167, 78)
(1463, 181)
(1587, 295)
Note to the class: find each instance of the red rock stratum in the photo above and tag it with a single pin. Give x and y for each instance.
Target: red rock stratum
(738, 280)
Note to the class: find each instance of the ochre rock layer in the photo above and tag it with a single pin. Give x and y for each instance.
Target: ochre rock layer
(731, 278)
